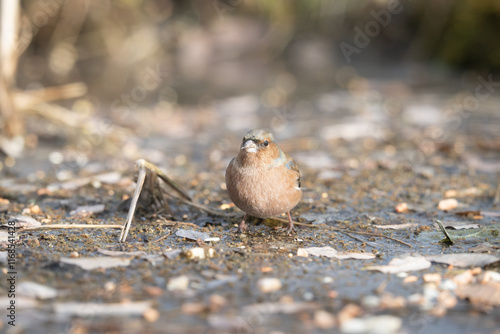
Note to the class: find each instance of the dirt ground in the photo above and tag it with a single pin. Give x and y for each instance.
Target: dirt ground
(380, 164)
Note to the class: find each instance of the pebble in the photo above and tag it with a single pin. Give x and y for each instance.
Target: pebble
(401, 207)
(192, 308)
(151, 315)
(179, 283)
(447, 204)
(74, 255)
(324, 319)
(410, 279)
(110, 286)
(370, 301)
(302, 252)
(216, 302)
(463, 278)
(383, 324)
(268, 284)
(490, 276)
(432, 278)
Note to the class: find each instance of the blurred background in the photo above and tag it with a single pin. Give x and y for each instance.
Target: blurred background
(177, 82)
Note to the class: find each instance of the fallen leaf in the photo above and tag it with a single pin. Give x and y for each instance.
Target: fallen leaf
(172, 253)
(120, 253)
(192, 235)
(104, 262)
(90, 310)
(490, 213)
(279, 308)
(328, 251)
(87, 210)
(480, 295)
(35, 290)
(229, 323)
(460, 225)
(404, 264)
(23, 222)
(464, 259)
(396, 226)
(485, 247)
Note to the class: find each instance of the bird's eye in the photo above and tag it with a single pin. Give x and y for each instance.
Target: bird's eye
(266, 143)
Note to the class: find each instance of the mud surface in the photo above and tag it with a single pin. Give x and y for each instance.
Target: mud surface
(361, 154)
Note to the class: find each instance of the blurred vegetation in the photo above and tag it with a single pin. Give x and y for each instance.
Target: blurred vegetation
(206, 49)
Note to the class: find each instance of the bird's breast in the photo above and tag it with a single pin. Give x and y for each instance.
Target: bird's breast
(262, 192)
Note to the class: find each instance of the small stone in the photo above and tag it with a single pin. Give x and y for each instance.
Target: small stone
(463, 278)
(401, 208)
(432, 278)
(266, 269)
(490, 276)
(302, 252)
(151, 315)
(383, 324)
(370, 301)
(389, 301)
(216, 302)
(333, 294)
(348, 312)
(415, 299)
(110, 286)
(153, 291)
(328, 280)
(324, 319)
(410, 279)
(192, 308)
(268, 284)
(179, 283)
(74, 255)
(447, 204)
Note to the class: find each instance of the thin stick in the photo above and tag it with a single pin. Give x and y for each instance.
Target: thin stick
(171, 222)
(133, 204)
(358, 239)
(164, 237)
(373, 235)
(68, 226)
(165, 178)
(448, 238)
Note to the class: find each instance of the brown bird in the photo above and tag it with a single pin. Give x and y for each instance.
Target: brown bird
(262, 180)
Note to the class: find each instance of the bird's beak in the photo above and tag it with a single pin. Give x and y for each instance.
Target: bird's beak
(249, 146)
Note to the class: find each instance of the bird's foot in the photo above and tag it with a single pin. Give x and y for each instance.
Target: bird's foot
(242, 227)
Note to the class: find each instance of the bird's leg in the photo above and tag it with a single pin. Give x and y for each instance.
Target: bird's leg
(290, 228)
(242, 227)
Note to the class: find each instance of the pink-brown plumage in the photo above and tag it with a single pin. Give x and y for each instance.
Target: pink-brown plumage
(262, 180)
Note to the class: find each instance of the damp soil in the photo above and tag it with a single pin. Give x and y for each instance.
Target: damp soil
(352, 182)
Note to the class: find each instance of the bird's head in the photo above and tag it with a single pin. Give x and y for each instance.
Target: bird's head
(259, 145)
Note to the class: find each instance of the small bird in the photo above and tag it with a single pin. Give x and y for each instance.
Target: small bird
(262, 180)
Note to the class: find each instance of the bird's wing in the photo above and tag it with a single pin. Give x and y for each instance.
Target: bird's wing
(292, 165)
